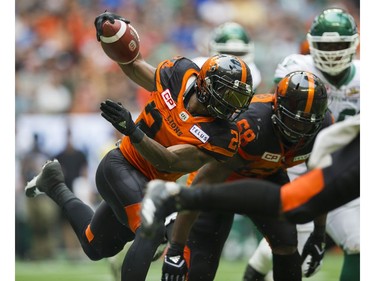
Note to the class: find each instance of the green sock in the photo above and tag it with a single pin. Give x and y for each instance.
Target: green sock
(351, 268)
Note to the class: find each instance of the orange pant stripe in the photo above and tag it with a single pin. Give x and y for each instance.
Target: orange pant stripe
(89, 234)
(134, 218)
(299, 191)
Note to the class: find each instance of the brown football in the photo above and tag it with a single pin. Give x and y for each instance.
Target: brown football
(120, 41)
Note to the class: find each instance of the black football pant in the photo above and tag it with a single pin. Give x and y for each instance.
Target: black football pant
(211, 229)
(105, 232)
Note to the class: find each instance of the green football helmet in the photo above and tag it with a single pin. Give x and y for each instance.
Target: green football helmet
(333, 40)
(232, 39)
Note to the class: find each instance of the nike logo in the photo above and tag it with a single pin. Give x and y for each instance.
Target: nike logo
(319, 251)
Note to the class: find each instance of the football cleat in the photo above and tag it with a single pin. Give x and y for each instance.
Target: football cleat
(50, 176)
(159, 201)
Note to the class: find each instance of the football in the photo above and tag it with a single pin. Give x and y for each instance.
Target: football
(120, 41)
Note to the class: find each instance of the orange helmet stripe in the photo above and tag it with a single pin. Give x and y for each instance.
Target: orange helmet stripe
(244, 71)
(311, 92)
(282, 87)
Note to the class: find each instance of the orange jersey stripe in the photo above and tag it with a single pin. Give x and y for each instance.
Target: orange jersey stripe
(187, 255)
(302, 189)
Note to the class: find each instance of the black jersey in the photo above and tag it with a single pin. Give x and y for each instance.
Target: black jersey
(261, 148)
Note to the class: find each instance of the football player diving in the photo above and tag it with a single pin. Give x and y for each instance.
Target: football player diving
(186, 123)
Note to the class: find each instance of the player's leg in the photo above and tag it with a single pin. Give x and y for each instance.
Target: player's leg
(343, 225)
(124, 194)
(260, 263)
(318, 191)
(140, 254)
(324, 189)
(51, 182)
(205, 244)
(282, 237)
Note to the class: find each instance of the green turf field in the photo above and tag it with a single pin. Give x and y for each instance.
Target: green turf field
(62, 270)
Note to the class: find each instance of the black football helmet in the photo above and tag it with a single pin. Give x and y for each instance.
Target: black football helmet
(300, 106)
(225, 86)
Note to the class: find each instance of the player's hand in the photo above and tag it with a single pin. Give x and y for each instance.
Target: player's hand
(119, 116)
(174, 266)
(99, 20)
(312, 254)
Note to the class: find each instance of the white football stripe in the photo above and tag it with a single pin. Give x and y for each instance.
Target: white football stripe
(115, 37)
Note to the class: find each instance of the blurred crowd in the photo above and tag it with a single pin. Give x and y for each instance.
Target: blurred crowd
(61, 69)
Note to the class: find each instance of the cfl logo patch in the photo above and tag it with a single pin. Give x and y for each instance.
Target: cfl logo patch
(183, 116)
(271, 157)
(167, 97)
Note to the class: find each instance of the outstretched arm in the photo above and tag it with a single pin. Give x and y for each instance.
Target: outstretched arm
(139, 70)
(182, 158)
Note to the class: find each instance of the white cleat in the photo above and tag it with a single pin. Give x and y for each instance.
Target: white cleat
(50, 175)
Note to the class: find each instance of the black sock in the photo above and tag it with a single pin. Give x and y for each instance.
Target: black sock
(287, 267)
(61, 194)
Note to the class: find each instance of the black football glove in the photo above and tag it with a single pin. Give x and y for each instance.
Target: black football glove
(312, 254)
(99, 20)
(174, 266)
(119, 116)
